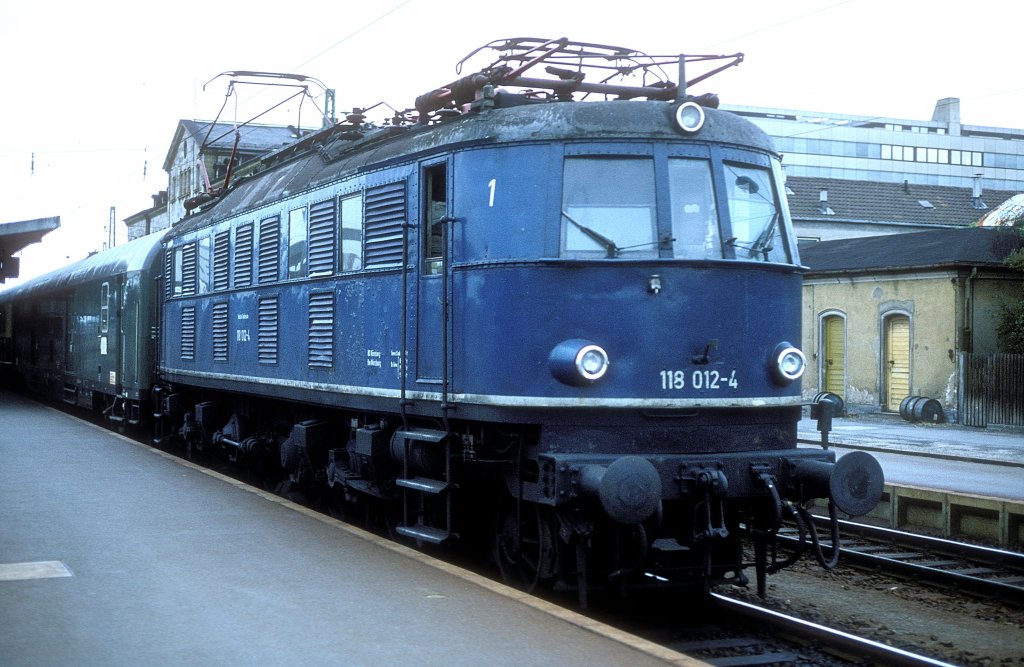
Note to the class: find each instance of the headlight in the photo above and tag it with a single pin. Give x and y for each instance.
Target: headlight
(592, 362)
(689, 117)
(787, 363)
(578, 362)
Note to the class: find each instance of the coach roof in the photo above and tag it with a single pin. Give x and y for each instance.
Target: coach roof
(137, 255)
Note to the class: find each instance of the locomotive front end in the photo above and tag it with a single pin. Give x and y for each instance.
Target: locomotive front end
(660, 350)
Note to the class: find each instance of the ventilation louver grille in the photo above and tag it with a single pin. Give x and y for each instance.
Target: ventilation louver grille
(266, 334)
(220, 331)
(321, 330)
(188, 333)
(243, 255)
(385, 216)
(221, 260)
(189, 272)
(270, 250)
(168, 272)
(322, 231)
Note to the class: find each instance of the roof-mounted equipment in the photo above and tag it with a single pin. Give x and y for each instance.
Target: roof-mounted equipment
(240, 77)
(573, 68)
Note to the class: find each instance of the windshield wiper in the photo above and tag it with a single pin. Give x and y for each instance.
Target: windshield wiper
(600, 239)
(763, 244)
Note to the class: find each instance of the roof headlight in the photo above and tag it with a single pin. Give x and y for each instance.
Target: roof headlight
(787, 363)
(578, 362)
(689, 117)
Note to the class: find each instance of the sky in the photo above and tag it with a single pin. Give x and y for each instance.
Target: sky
(92, 92)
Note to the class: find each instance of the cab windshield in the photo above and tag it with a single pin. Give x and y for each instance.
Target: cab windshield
(608, 208)
(756, 219)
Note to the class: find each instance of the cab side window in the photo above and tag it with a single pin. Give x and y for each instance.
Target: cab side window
(435, 211)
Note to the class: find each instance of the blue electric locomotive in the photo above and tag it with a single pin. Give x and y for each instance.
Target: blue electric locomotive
(564, 327)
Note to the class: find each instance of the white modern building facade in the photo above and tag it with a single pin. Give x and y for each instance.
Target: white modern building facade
(942, 151)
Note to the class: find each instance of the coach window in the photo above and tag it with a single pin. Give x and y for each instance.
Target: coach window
(435, 207)
(297, 235)
(608, 208)
(694, 215)
(104, 307)
(756, 219)
(352, 232)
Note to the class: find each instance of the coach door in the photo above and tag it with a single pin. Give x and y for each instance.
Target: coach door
(897, 361)
(433, 296)
(833, 372)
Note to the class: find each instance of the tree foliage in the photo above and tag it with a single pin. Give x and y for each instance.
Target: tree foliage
(1011, 319)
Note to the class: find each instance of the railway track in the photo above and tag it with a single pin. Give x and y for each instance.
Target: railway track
(731, 632)
(841, 646)
(985, 572)
(726, 631)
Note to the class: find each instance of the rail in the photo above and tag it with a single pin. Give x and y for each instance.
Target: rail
(968, 568)
(874, 652)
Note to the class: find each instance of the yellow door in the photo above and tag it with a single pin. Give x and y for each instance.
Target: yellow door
(897, 361)
(834, 372)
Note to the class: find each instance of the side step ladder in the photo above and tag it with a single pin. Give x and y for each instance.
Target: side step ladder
(419, 489)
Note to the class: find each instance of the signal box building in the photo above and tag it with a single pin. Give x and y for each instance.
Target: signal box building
(884, 320)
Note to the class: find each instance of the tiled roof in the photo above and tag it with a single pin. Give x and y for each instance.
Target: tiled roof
(253, 138)
(975, 246)
(891, 203)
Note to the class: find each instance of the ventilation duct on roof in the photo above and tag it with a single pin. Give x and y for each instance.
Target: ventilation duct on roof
(823, 206)
(976, 200)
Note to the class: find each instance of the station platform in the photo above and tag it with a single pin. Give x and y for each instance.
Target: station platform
(114, 553)
(891, 433)
(983, 462)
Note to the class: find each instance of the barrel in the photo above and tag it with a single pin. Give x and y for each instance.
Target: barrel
(838, 406)
(905, 411)
(921, 409)
(928, 410)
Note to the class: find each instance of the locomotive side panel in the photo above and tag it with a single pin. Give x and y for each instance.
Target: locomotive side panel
(316, 315)
(501, 199)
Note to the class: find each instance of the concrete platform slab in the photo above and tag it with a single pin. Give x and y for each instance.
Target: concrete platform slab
(174, 565)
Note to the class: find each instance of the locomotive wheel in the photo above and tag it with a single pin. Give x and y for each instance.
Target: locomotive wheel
(525, 547)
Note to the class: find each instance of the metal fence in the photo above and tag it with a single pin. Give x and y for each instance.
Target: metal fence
(991, 389)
